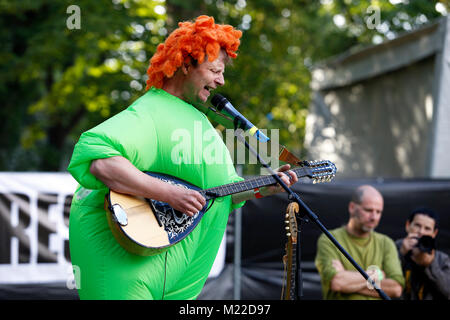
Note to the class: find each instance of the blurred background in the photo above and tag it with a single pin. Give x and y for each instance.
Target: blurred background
(362, 83)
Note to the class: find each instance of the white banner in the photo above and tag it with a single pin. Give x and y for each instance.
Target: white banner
(34, 228)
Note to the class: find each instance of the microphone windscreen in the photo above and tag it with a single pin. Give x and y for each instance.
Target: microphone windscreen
(218, 101)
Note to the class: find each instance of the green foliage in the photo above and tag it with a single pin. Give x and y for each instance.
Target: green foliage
(57, 82)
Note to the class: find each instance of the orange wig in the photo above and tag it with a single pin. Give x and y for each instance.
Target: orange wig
(191, 41)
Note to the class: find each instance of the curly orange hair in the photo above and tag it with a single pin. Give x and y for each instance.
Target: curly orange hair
(191, 40)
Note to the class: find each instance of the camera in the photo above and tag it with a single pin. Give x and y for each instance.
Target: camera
(426, 244)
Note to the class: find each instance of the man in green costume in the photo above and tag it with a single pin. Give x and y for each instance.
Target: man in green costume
(157, 133)
(373, 251)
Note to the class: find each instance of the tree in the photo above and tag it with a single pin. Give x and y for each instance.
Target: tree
(57, 82)
(283, 39)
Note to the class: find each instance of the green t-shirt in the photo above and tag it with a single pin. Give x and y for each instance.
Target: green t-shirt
(377, 249)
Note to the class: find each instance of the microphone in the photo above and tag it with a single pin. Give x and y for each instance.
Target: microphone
(221, 103)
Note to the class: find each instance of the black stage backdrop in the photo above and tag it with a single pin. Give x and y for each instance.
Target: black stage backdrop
(264, 237)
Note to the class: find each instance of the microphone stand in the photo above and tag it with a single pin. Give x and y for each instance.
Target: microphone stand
(310, 216)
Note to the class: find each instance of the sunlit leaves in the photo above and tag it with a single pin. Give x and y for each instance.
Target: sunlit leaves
(56, 83)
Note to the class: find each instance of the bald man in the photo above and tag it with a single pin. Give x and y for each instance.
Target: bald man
(374, 252)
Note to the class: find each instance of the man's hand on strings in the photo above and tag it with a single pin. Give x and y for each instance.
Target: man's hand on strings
(286, 175)
(186, 200)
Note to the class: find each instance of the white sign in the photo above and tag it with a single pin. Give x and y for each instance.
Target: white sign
(34, 232)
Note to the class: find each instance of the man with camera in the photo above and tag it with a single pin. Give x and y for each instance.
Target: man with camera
(426, 270)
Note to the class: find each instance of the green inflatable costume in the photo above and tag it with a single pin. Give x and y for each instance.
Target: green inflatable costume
(159, 133)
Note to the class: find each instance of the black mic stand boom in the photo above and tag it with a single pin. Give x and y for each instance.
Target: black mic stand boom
(311, 215)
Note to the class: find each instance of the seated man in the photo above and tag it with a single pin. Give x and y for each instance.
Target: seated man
(373, 251)
(427, 270)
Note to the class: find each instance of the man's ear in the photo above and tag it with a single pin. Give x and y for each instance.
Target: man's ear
(435, 232)
(407, 226)
(185, 68)
(351, 209)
